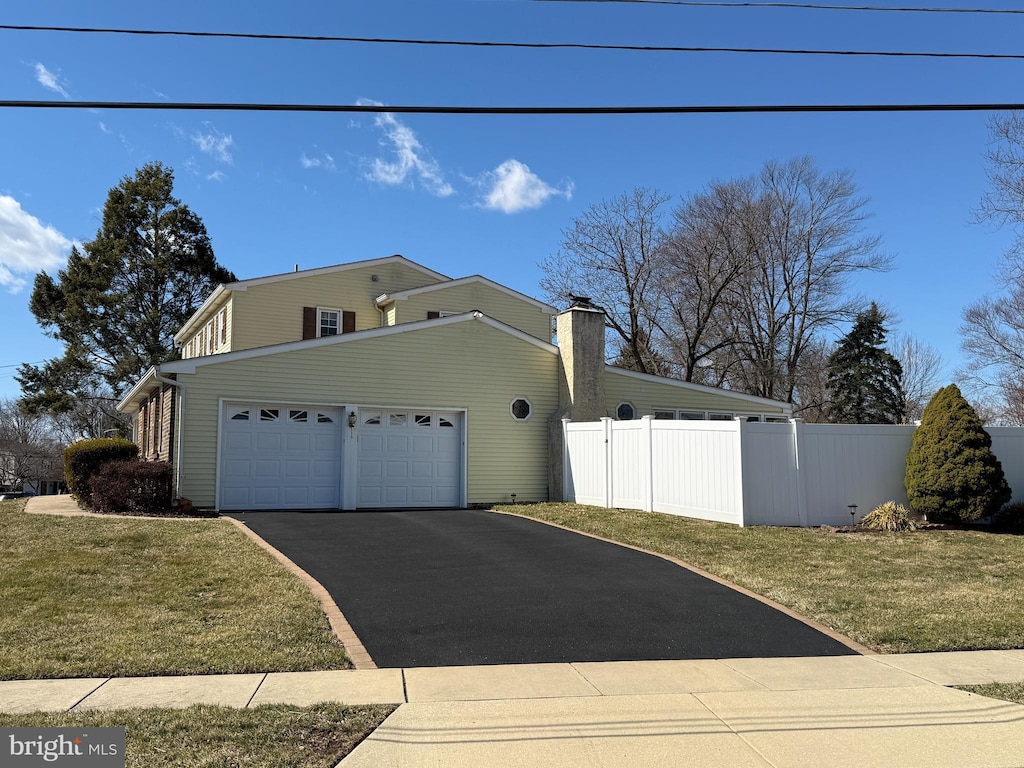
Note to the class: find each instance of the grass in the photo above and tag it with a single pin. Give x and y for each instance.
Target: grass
(895, 593)
(1006, 691)
(86, 597)
(207, 736)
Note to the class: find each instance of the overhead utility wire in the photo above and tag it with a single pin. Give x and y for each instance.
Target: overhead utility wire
(801, 6)
(464, 110)
(492, 44)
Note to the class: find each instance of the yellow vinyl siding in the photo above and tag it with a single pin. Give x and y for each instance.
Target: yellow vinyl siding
(648, 395)
(271, 313)
(213, 324)
(389, 315)
(462, 365)
(465, 298)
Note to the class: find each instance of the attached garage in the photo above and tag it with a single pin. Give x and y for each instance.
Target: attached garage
(280, 456)
(409, 458)
(289, 456)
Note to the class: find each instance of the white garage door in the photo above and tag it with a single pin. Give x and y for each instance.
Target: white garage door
(409, 458)
(280, 457)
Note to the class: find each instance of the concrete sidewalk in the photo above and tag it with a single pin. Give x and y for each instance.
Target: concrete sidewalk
(836, 711)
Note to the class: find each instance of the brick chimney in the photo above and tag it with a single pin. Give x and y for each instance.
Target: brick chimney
(580, 331)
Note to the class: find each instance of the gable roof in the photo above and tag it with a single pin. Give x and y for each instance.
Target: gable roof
(205, 311)
(149, 378)
(752, 399)
(387, 298)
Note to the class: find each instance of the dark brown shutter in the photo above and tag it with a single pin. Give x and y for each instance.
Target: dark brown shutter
(433, 315)
(348, 322)
(309, 322)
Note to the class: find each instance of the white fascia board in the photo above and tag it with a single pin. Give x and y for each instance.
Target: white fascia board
(242, 285)
(193, 363)
(147, 380)
(387, 298)
(787, 408)
(205, 309)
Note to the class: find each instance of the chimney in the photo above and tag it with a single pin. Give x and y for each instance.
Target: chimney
(580, 331)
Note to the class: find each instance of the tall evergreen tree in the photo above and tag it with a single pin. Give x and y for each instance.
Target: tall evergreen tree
(865, 382)
(121, 298)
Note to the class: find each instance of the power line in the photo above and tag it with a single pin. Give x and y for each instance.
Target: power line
(464, 110)
(799, 6)
(495, 44)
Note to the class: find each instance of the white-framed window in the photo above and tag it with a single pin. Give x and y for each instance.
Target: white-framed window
(720, 416)
(520, 409)
(625, 411)
(224, 326)
(676, 414)
(328, 321)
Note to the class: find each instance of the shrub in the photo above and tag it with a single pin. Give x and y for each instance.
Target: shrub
(952, 475)
(1010, 517)
(890, 516)
(132, 487)
(83, 459)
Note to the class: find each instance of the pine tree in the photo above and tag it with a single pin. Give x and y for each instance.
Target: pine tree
(952, 474)
(121, 298)
(865, 382)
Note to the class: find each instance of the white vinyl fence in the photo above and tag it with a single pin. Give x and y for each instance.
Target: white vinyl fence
(750, 473)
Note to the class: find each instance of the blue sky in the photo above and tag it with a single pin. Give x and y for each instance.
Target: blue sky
(488, 194)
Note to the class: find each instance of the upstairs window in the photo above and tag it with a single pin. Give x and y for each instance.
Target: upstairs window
(329, 322)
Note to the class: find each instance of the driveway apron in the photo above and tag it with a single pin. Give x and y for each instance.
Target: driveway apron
(458, 587)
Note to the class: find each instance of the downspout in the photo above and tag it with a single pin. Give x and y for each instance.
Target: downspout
(177, 427)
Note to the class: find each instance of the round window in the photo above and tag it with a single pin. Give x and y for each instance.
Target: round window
(521, 409)
(625, 412)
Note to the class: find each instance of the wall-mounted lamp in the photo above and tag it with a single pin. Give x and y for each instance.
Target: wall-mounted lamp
(352, 419)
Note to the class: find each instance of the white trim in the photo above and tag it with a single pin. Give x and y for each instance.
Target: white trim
(243, 285)
(135, 391)
(787, 408)
(513, 401)
(320, 320)
(200, 316)
(190, 365)
(387, 298)
(632, 407)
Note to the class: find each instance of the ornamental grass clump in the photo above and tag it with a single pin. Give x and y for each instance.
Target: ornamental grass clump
(890, 516)
(952, 475)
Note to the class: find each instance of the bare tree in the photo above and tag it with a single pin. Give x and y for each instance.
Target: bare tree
(809, 226)
(28, 451)
(993, 327)
(703, 257)
(607, 255)
(993, 338)
(923, 372)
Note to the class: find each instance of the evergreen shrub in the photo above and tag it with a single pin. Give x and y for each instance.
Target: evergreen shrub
(82, 460)
(952, 475)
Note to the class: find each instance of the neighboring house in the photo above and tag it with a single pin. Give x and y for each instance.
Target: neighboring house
(32, 469)
(383, 383)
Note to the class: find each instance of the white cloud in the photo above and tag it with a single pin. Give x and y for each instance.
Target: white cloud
(215, 143)
(26, 246)
(324, 161)
(216, 176)
(412, 160)
(513, 187)
(103, 127)
(51, 81)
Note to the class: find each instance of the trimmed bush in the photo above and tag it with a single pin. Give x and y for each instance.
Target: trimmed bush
(83, 459)
(132, 487)
(952, 475)
(1010, 518)
(889, 516)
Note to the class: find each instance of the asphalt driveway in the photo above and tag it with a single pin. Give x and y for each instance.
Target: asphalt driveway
(458, 587)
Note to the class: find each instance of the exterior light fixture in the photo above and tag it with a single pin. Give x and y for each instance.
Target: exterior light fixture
(352, 419)
(853, 513)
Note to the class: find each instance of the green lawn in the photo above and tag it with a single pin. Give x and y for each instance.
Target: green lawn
(206, 736)
(87, 597)
(895, 593)
(1007, 691)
